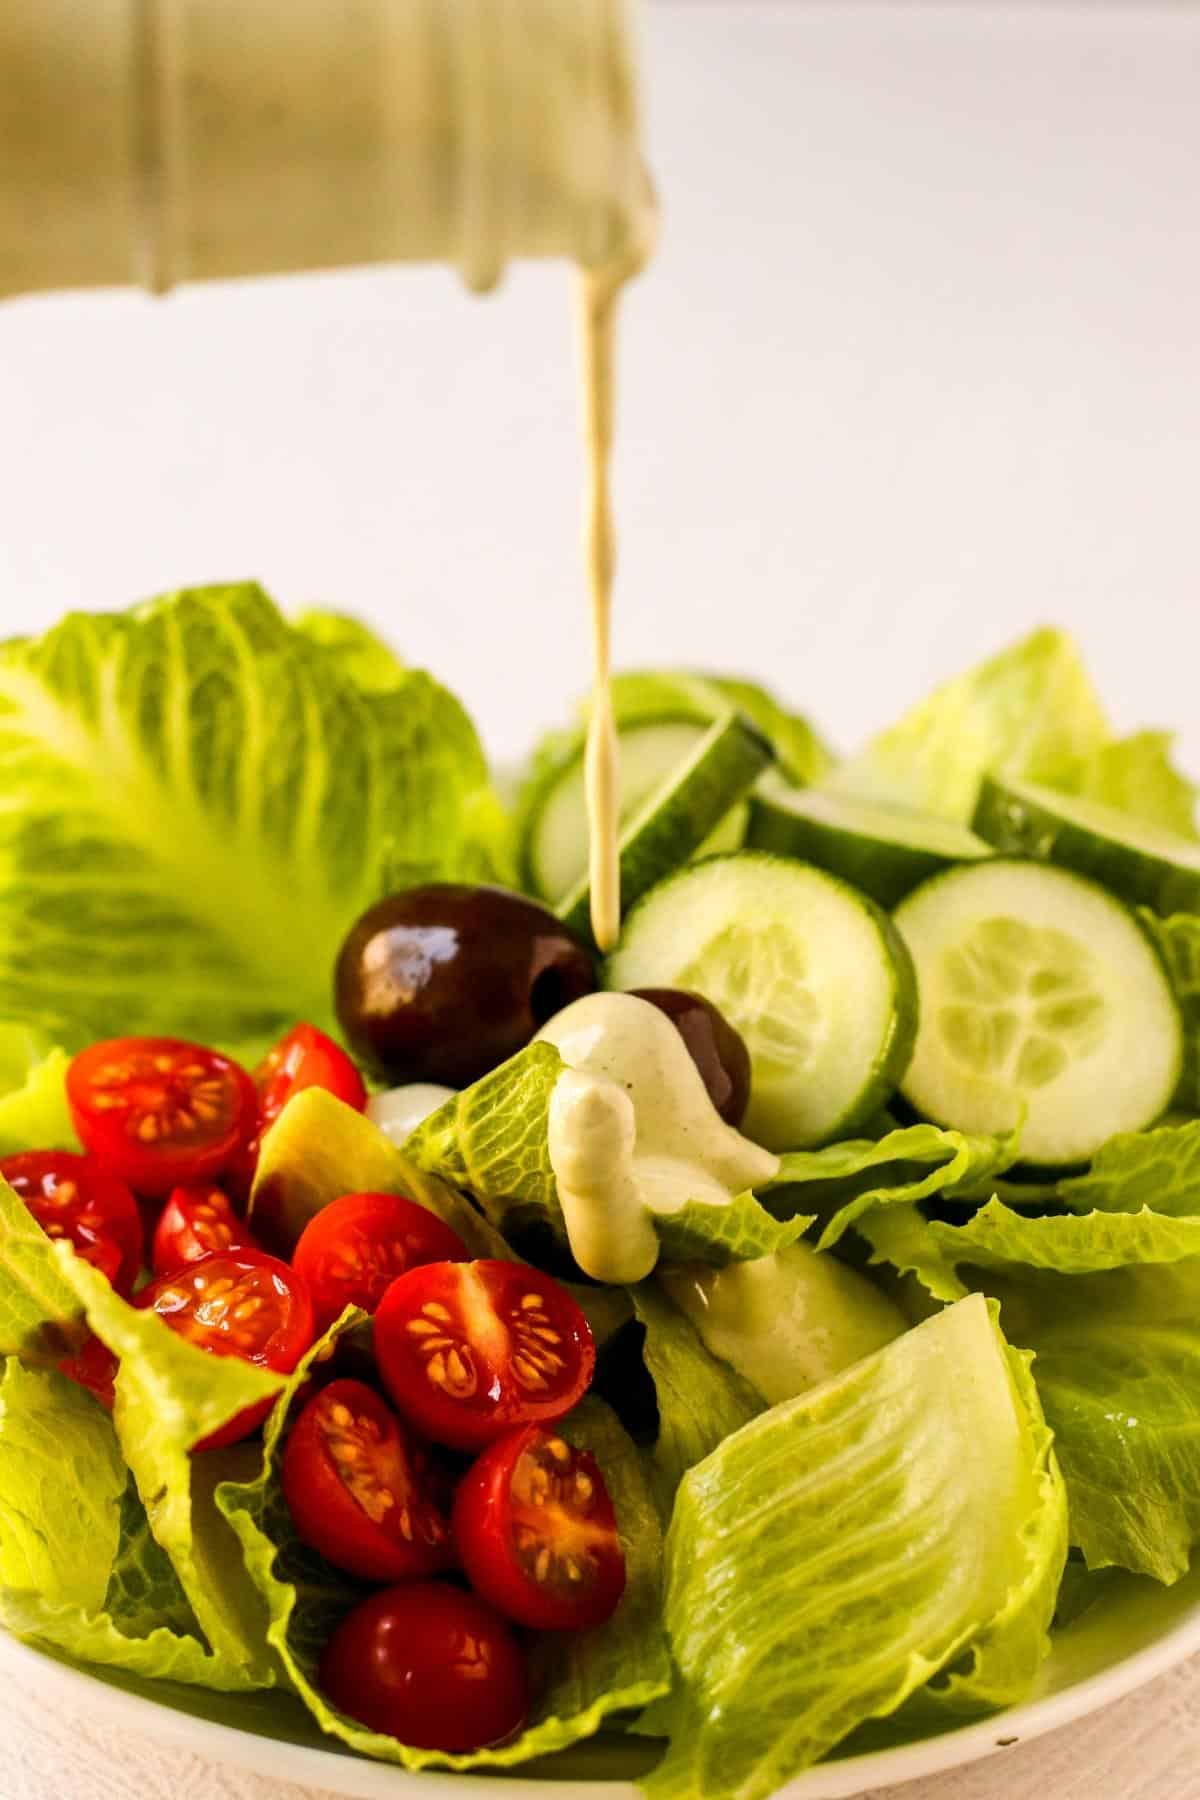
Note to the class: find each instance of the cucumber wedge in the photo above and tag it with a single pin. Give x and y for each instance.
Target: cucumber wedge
(1145, 864)
(811, 972)
(681, 813)
(1044, 1005)
(884, 850)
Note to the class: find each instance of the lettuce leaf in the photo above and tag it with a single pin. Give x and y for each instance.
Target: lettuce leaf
(79, 1569)
(582, 1679)
(960, 1165)
(492, 1140)
(199, 800)
(1031, 710)
(1110, 1303)
(901, 1515)
(1136, 775)
(41, 1318)
(33, 1094)
(701, 1400)
(1157, 1169)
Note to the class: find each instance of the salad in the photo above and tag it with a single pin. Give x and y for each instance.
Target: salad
(756, 1343)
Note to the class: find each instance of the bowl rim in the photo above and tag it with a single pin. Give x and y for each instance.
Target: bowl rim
(337, 1771)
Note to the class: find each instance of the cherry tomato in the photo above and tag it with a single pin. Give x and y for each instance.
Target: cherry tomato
(94, 1367)
(73, 1197)
(467, 1350)
(195, 1222)
(359, 1487)
(304, 1057)
(353, 1250)
(237, 1303)
(430, 1665)
(537, 1535)
(158, 1111)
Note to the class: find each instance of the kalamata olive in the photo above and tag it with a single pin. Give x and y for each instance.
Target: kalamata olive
(442, 982)
(717, 1050)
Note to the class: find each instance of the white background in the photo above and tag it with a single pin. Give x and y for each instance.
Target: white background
(918, 366)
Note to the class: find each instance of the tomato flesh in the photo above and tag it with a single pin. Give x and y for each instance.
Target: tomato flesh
(304, 1057)
(75, 1199)
(468, 1350)
(537, 1535)
(354, 1248)
(359, 1487)
(237, 1303)
(430, 1665)
(159, 1112)
(196, 1221)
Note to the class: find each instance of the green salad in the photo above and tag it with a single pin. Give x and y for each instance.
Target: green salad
(751, 1345)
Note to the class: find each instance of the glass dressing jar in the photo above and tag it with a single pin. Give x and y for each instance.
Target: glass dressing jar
(152, 142)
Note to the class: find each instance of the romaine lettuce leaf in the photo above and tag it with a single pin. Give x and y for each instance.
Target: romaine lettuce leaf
(1178, 939)
(581, 1680)
(1110, 1304)
(199, 800)
(701, 1400)
(897, 1517)
(957, 1164)
(41, 1318)
(493, 1141)
(1031, 711)
(1157, 1169)
(79, 1569)
(1136, 775)
(33, 1111)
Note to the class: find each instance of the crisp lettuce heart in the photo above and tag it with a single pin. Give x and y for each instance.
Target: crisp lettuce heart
(582, 1679)
(493, 1141)
(902, 1516)
(1110, 1304)
(860, 1175)
(199, 800)
(80, 1571)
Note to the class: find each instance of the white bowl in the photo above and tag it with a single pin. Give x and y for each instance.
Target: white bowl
(1136, 1632)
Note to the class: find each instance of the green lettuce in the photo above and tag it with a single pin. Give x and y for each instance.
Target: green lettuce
(581, 1680)
(1030, 711)
(1110, 1304)
(701, 1400)
(199, 800)
(80, 1571)
(957, 1164)
(901, 1517)
(1136, 775)
(1178, 939)
(493, 1141)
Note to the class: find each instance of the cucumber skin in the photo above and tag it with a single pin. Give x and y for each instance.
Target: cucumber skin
(648, 858)
(1020, 827)
(887, 876)
(897, 1047)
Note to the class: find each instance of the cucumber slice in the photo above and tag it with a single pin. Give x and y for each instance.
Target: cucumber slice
(1145, 864)
(680, 814)
(555, 850)
(1043, 1000)
(884, 850)
(811, 972)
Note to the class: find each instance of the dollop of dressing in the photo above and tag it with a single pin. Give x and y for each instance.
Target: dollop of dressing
(400, 1110)
(633, 1133)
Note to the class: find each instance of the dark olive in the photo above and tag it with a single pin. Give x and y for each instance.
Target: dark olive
(717, 1050)
(441, 983)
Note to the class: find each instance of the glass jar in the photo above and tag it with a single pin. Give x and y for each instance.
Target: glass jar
(159, 141)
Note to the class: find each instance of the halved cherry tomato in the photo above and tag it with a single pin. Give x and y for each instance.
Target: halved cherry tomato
(196, 1221)
(537, 1535)
(159, 1111)
(75, 1198)
(94, 1367)
(467, 1350)
(237, 1303)
(358, 1484)
(430, 1665)
(355, 1247)
(304, 1057)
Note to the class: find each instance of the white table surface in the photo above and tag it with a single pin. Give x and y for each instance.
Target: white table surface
(917, 368)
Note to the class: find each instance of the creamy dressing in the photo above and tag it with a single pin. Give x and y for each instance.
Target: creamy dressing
(400, 1110)
(633, 1134)
(788, 1321)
